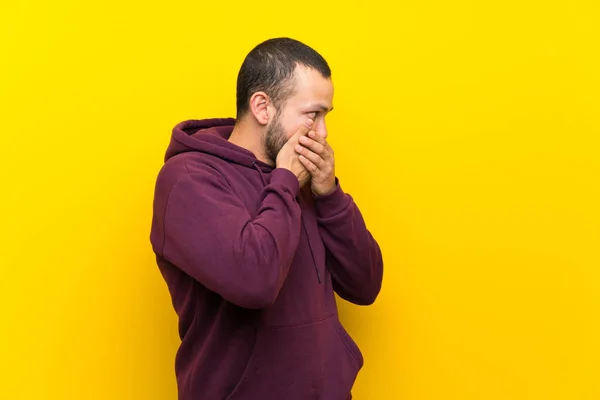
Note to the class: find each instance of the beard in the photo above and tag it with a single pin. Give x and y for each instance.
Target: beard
(275, 139)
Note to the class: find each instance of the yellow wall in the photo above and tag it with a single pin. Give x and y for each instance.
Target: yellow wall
(467, 131)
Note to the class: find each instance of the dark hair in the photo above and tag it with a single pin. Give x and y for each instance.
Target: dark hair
(270, 67)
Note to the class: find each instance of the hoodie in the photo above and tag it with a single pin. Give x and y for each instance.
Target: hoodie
(252, 262)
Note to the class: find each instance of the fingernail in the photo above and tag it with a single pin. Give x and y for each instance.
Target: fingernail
(311, 133)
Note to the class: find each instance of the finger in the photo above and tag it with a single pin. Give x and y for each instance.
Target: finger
(318, 136)
(327, 147)
(314, 158)
(313, 145)
(304, 129)
(321, 138)
(309, 165)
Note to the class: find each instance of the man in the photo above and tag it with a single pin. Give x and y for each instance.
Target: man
(253, 234)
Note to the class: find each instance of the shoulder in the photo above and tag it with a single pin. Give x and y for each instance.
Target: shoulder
(192, 165)
(190, 169)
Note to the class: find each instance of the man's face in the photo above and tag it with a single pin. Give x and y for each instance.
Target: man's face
(312, 97)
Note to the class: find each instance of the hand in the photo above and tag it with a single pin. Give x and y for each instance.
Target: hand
(316, 156)
(287, 158)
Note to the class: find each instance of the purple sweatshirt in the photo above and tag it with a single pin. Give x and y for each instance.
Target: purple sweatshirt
(252, 263)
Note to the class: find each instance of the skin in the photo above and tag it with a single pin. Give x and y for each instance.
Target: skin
(293, 136)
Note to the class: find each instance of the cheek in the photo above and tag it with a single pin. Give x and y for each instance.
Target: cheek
(292, 125)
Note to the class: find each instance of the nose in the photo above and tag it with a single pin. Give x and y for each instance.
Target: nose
(321, 127)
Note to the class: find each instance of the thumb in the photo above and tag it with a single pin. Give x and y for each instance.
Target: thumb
(304, 128)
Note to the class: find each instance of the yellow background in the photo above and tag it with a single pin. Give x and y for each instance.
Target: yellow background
(467, 131)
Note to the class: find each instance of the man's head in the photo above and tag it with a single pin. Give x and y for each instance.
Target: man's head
(281, 83)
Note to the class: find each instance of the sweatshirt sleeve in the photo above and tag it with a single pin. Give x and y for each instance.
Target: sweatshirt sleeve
(353, 256)
(210, 235)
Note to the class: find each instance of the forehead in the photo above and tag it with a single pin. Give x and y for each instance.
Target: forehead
(311, 86)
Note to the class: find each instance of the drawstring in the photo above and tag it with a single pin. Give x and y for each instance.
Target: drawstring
(262, 177)
(264, 181)
(312, 253)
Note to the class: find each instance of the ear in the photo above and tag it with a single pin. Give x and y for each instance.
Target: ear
(260, 107)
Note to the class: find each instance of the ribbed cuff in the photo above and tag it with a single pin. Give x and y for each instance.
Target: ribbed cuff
(287, 179)
(332, 203)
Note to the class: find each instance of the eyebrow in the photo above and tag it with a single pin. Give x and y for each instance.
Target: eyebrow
(322, 107)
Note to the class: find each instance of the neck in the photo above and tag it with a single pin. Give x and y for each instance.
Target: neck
(249, 138)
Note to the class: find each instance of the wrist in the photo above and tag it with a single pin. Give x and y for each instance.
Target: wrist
(332, 204)
(321, 191)
(284, 166)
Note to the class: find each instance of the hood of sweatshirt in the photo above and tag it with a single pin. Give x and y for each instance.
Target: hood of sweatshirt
(211, 136)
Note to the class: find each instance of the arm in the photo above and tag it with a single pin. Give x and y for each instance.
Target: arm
(210, 235)
(353, 256)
